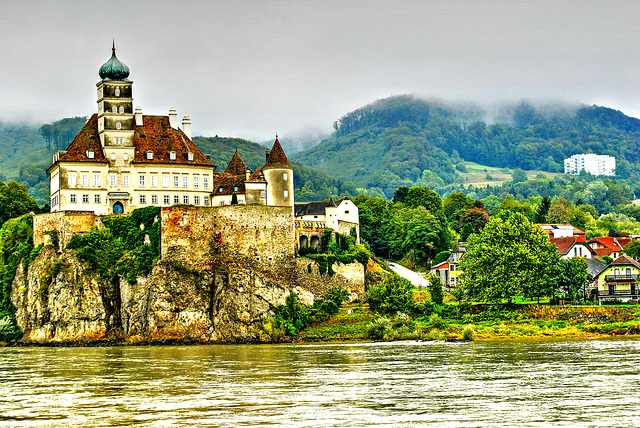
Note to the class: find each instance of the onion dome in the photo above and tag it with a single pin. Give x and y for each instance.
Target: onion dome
(114, 69)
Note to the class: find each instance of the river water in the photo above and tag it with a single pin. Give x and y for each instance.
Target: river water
(590, 383)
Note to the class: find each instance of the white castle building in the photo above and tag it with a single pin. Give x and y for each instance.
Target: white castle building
(592, 163)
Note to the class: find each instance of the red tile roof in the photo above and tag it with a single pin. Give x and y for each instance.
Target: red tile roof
(257, 175)
(87, 139)
(277, 158)
(227, 182)
(565, 244)
(236, 165)
(625, 260)
(155, 135)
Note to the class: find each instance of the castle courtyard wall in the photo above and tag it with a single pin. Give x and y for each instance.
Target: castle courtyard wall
(65, 223)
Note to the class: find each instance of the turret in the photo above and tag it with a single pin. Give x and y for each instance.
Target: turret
(278, 173)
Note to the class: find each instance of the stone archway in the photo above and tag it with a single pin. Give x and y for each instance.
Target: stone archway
(118, 208)
(304, 241)
(315, 242)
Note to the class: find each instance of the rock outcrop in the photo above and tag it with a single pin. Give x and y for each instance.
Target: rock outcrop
(57, 300)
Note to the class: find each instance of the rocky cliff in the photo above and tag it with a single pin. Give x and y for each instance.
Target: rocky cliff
(57, 300)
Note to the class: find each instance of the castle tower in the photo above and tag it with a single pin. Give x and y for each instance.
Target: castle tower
(115, 105)
(278, 174)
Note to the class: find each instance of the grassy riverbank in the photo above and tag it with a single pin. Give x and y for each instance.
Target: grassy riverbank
(488, 322)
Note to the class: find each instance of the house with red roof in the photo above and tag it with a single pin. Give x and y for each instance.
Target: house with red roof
(122, 160)
(573, 246)
(619, 280)
(561, 230)
(609, 246)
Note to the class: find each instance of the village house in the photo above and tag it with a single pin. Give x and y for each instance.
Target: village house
(619, 280)
(573, 246)
(449, 270)
(313, 218)
(562, 230)
(609, 246)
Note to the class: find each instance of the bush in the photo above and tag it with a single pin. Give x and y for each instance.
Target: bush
(401, 319)
(8, 329)
(391, 295)
(435, 289)
(292, 317)
(436, 321)
(336, 294)
(468, 332)
(378, 328)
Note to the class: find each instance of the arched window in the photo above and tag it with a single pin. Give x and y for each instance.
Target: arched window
(113, 156)
(117, 92)
(126, 156)
(121, 109)
(114, 109)
(118, 125)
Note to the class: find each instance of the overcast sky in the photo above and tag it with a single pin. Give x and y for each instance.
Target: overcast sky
(254, 68)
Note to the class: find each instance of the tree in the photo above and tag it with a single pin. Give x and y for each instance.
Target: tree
(572, 276)
(455, 205)
(425, 197)
(467, 231)
(234, 199)
(559, 211)
(476, 217)
(509, 258)
(633, 249)
(542, 210)
(518, 176)
(400, 194)
(435, 289)
(15, 201)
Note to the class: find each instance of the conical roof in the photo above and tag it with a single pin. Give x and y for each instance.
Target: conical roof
(114, 69)
(236, 165)
(277, 158)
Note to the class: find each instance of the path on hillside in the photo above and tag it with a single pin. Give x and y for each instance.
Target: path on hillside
(416, 278)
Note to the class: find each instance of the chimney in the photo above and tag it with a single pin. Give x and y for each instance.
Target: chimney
(186, 126)
(266, 155)
(173, 118)
(247, 174)
(138, 116)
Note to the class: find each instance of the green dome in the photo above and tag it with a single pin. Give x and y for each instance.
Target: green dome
(114, 69)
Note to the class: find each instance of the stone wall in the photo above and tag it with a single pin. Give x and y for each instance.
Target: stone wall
(254, 235)
(349, 276)
(66, 223)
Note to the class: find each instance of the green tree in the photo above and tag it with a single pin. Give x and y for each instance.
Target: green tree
(435, 289)
(559, 211)
(15, 201)
(572, 276)
(392, 294)
(542, 210)
(467, 231)
(509, 258)
(424, 197)
(633, 249)
(455, 205)
(518, 176)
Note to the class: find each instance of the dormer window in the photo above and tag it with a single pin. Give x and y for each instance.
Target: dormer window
(117, 92)
(235, 188)
(90, 154)
(219, 189)
(172, 155)
(149, 155)
(190, 157)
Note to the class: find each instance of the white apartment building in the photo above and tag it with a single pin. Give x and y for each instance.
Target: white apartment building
(595, 164)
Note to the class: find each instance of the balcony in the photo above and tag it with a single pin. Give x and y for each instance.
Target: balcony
(628, 293)
(620, 278)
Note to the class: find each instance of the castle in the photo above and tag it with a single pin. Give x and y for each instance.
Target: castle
(122, 160)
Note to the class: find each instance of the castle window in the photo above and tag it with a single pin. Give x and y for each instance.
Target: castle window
(166, 200)
(346, 212)
(185, 181)
(286, 193)
(176, 181)
(143, 199)
(221, 203)
(85, 198)
(85, 180)
(176, 199)
(196, 200)
(205, 182)
(235, 188)
(72, 180)
(154, 199)
(113, 156)
(117, 92)
(125, 156)
(190, 157)
(96, 180)
(149, 155)
(90, 154)
(141, 180)
(263, 194)
(114, 109)
(284, 176)
(172, 155)
(125, 180)
(118, 125)
(112, 180)
(154, 180)
(196, 182)
(119, 141)
(219, 189)
(72, 198)
(165, 180)
(96, 199)
(185, 199)
(206, 200)
(121, 109)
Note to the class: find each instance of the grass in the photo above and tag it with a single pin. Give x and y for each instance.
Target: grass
(478, 174)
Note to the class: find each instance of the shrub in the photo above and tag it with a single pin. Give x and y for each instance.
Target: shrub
(435, 289)
(8, 329)
(378, 328)
(468, 332)
(401, 319)
(336, 294)
(436, 321)
(390, 295)
(292, 317)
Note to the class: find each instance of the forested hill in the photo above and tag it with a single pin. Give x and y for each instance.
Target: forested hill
(402, 141)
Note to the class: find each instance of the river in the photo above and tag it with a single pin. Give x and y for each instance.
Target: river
(590, 383)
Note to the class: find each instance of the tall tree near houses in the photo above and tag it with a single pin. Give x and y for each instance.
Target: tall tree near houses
(509, 258)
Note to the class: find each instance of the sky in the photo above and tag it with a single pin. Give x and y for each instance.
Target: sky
(252, 69)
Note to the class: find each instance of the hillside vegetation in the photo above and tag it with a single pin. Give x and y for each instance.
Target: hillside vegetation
(405, 141)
